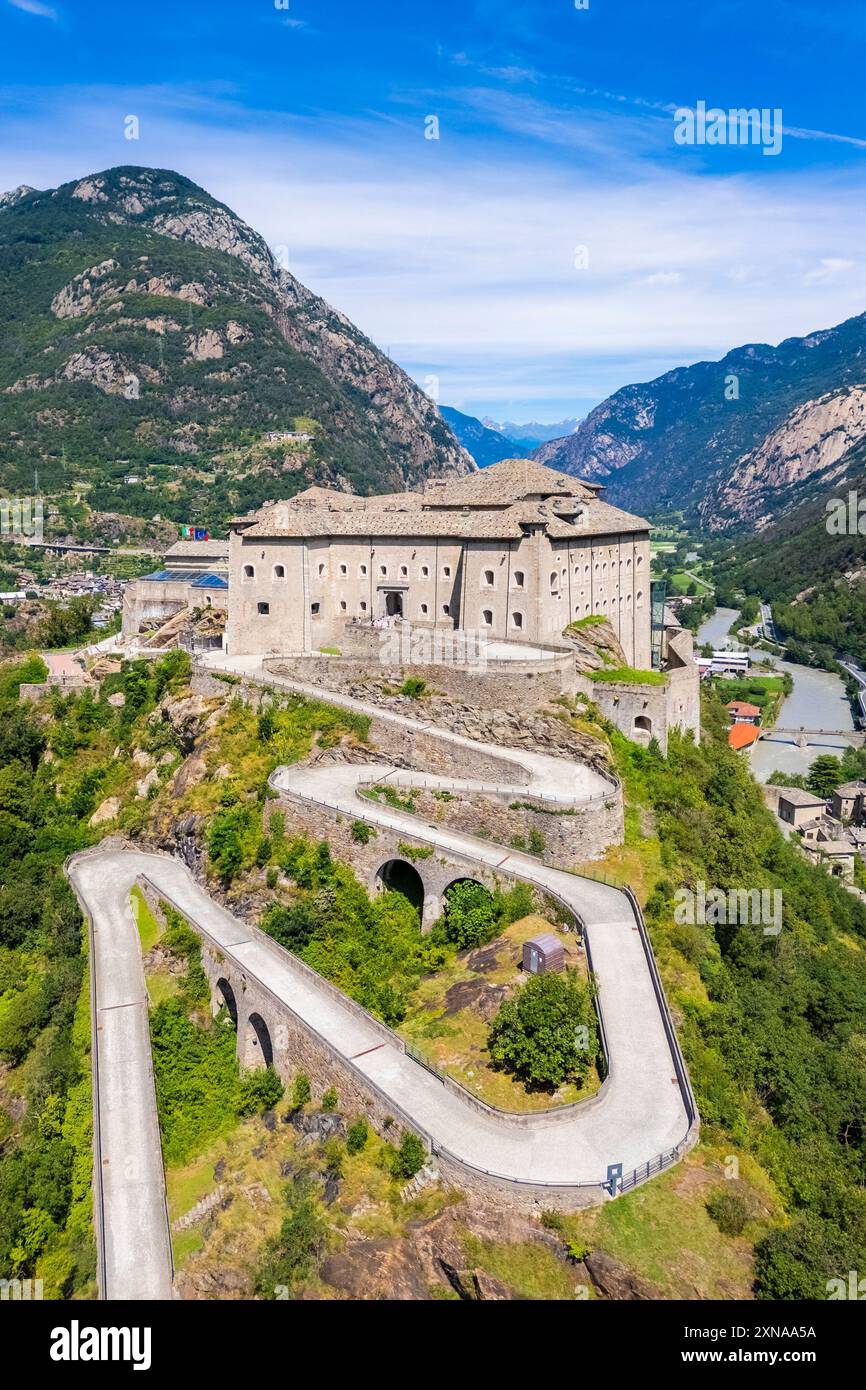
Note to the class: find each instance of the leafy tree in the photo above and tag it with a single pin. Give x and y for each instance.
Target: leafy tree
(796, 1263)
(410, 1156)
(538, 1035)
(292, 926)
(225, 841)
(825, 775)
(470, 914)
(21, 739)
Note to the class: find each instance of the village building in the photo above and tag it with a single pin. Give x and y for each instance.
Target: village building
(849, 802)
(741, 712)
(797, 807)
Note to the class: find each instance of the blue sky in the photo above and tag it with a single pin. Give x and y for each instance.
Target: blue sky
(555, 242)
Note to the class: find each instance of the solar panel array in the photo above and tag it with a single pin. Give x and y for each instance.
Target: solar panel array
(193, 577)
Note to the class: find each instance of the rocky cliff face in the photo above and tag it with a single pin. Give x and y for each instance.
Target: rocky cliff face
(696, 437)
(136, 284)
(810, 447)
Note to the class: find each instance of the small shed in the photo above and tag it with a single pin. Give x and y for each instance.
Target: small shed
(543, 953)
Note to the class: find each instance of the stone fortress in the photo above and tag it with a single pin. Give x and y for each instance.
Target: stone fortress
(520, 582)
(507, 784)
(514, 552)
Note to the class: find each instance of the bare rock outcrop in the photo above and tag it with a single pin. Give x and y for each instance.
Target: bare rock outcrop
(813, 441)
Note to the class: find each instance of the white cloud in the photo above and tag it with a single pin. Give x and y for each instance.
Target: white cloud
(664, 277)
(465, 266)
(35, 7)
(828, 269)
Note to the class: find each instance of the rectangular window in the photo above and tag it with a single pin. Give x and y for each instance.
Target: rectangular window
(264, 609)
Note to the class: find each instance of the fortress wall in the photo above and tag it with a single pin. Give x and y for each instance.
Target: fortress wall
(503, 685)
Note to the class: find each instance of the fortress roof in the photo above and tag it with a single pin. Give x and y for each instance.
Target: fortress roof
(498, 503)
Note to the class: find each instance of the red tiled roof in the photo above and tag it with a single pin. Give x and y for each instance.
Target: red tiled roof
(743, 707)
(741, 735)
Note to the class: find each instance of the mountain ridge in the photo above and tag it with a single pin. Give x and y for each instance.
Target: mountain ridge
(676, 441)
(148, 325)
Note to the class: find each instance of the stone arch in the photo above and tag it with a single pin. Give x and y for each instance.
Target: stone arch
(465, 878)
(224, 996)
(399, 876)
(643, 725)
(442, 904)
(258, 1050)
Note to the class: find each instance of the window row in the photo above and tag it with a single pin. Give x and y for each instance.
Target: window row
(516, 618)
(488, 577)
(279, 572)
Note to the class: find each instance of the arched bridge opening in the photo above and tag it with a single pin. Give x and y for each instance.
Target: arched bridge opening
(257, 1048)
(399, 876)
(224, 998)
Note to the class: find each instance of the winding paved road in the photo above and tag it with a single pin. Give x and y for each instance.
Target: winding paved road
(640, 1113)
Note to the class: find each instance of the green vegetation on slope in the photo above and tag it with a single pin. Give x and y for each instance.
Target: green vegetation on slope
(173, 361)
(772, 1026)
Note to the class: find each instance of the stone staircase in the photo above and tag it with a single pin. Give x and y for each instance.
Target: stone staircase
(200, 1210)
(425, 1177)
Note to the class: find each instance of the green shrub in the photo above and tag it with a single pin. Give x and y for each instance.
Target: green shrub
(259, 1090)
(409, 1158)
(329, 1099)
(414, 687)
(357, 1136)
(292, 1255)
(301, 1091)
(731, 1209)
(334, 1153)
(361, 832)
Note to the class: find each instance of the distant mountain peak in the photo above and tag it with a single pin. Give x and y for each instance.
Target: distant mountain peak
(14, 195)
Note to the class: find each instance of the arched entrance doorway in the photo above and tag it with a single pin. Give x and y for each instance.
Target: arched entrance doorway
(258, 1050)
(394, 604)
(398, 876)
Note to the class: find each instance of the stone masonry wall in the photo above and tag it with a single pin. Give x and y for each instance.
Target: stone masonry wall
(571, 836)
(509, 685)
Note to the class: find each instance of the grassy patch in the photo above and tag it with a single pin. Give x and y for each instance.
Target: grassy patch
(456, 1042)
(628, 675)
(149, 929)
(532, 1271)
(663, 1232)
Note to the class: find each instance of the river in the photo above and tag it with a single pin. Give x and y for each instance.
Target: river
(818, 701)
